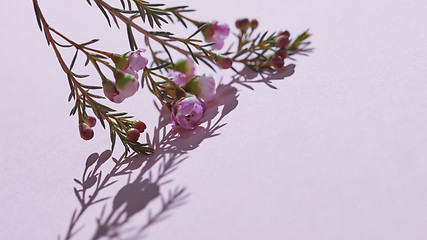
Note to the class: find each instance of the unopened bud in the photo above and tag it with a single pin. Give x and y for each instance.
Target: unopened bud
(277, 62)
(91, 121)
(140, 126)
(285, 33)
(282, 41)
(254, 23)
(283, 53)
(224, 62)
(121, 61)
(132, 134)
(85, 131)
(242, 24)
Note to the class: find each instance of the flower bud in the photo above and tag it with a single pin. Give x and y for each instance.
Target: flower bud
(242, 24)
(202, 86)
(130, 61)
(224, 62)
(140, 126)
(126, 83)
(254, 23)
(91, 121)
(187, 112)
(285, 34)
(132, 134)
(282, 52)
(85, 131)
(282, 41)
(277, 62)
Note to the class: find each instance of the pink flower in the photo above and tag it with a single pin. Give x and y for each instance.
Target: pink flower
(178, 78)
(202, 86)
(126, 75)
(188, 111)
(131, 62)
(125, 86)
(136, 61)
(216, 33)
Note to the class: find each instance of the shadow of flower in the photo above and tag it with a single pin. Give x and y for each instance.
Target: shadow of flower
(172, 146)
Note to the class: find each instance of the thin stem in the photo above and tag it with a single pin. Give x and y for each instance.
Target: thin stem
(129, 22)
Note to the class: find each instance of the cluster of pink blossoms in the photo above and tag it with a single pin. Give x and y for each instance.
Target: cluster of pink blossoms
(126, 75)
(187, 111)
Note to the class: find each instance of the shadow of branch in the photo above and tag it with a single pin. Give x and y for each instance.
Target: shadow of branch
(172, 146)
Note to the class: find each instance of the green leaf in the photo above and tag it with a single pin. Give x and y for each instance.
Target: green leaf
(89, 86)
(262, 37)
(90, 42)
(175, 8)
(99, 116)
(197, 31)
(299, 40)
(206, 53)
(62, 45)
(115, 20)
(168, 53)
(160, 33)
(129, 5)
(73, 110)
(103, 12)
(130, 37)
(208, 64)
(80, 76)
(84, 106)
(192, 54)
(72, 90)
(141, 11)
(74, 60)
(208, 44)
(95, 96)
(119, 114)
(112, 137)
(37, 11)
(160, 67)
(180, 19)
(150, 19)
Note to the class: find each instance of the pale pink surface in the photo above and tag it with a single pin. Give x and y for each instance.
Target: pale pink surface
(337, 152)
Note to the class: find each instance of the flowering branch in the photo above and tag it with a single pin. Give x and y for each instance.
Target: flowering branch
(118, 122)
(173, 82)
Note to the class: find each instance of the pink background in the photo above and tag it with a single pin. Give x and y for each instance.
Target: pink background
(338, 151)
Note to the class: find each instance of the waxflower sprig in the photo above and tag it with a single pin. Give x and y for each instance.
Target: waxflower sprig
(214, 35)
(266, 52)
(119, 123)
(172, 81)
